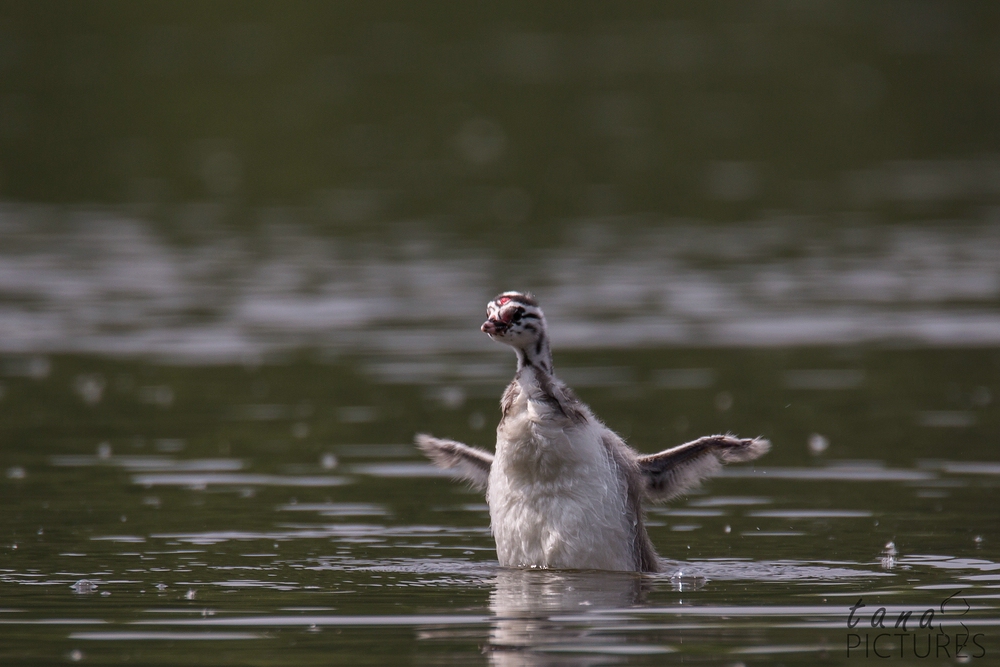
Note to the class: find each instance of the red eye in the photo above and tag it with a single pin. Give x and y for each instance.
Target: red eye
(503, 300)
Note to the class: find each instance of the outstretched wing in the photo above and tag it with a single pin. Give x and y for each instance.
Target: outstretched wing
(676, 470)
(468, 463)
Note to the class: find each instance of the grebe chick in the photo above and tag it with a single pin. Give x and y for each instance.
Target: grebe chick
(564, 490)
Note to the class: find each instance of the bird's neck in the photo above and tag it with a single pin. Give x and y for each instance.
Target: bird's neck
(538, 355)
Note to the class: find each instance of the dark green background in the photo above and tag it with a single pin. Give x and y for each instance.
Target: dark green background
(597, 108)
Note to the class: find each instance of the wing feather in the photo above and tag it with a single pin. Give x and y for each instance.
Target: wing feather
(468, 463)
(675, 471)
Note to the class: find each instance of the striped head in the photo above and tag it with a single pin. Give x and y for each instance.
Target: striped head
(514, 318)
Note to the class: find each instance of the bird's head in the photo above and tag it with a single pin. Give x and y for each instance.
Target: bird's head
(514, 318)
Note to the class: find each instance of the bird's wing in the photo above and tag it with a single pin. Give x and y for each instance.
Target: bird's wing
(674, 471)
(468, 463)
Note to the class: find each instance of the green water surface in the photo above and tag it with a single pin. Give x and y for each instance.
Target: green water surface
(276, 514)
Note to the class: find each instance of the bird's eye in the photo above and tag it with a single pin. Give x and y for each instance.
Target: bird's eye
(517, 315)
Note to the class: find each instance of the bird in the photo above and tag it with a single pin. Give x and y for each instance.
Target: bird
(564, 490)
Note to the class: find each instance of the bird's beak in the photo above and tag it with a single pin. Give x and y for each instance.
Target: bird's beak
(492, 327)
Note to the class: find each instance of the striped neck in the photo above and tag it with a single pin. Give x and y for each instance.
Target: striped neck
(537, 355)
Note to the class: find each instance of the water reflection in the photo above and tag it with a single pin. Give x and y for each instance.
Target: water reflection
(543, 617)
(540, 614)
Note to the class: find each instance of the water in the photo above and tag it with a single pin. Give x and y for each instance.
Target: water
(244, 256)
(103, 281)
(276, 512)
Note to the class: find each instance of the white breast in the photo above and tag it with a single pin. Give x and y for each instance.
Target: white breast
(556, 497)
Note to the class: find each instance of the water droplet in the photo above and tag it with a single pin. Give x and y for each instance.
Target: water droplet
(723, 401)
(328, 461)
(728, 529)
(76, 655)
(16, 472)
(818, 443)
(90, 387)
(191, 594)
(889, 553)
(104, 450)
(452, 397)
(84, 586)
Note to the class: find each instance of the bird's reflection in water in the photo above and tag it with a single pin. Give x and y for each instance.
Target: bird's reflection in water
(551, 617)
